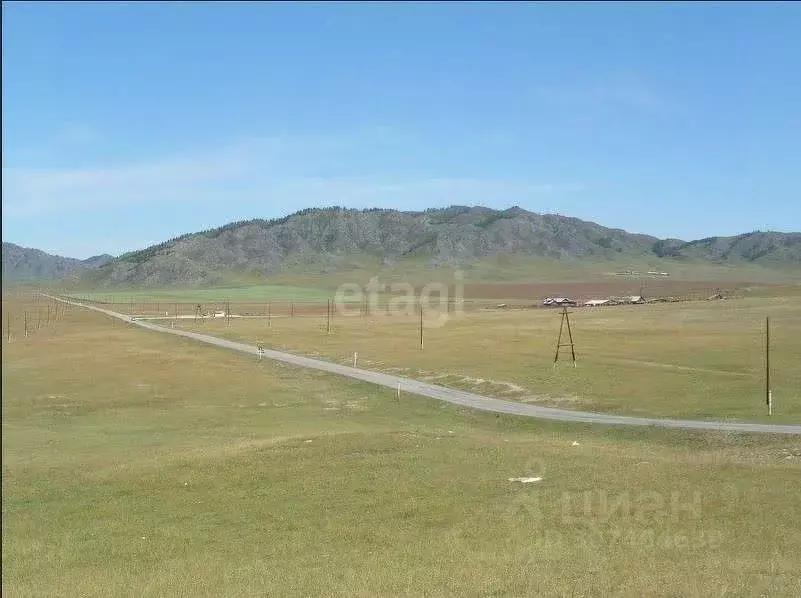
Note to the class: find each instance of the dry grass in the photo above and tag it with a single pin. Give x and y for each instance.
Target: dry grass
(702, 360)
(140, 464)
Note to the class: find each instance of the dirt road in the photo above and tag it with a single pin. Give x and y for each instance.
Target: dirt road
(457, 397)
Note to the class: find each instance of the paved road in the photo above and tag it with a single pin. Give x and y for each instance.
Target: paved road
(457, 397)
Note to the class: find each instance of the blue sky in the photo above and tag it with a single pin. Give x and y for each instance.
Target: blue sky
(125, 124)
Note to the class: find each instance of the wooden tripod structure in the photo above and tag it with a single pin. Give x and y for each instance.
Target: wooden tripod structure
(559, 343)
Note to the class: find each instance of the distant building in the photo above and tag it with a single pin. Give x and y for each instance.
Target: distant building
(628, 300)
(558, 302)
(596, 302)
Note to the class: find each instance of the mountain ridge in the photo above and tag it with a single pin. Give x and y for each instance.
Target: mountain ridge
(27, 264)
(332, 237)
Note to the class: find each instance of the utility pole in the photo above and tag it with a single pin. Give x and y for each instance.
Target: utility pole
(228, 313)
(8, 326)
(269, 315)
(768, 397)
(328, 317)
(559, 343)
(421, 323)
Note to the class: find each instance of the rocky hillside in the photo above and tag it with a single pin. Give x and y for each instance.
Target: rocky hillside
(96, 261)
(332, 236)
(21, 264)
(766, 248)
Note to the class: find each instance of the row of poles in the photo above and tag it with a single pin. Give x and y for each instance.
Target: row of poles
(564, 324)
(330, 317)
(364, 310)
(48, 316)
(55, 310)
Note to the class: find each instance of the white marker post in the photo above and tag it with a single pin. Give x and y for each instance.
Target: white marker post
(355, 358)
(767, 367)
(398, 391)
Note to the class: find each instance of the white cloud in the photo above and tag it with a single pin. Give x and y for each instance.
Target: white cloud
(258, 171)
(67, 139)
(32, 191)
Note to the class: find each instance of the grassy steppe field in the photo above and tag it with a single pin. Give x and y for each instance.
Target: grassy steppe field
(695, 360)
(317, 279)
(246, 293)
(141, 464)
(510, 268)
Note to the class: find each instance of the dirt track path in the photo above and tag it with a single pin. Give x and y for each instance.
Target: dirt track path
(457, 397)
